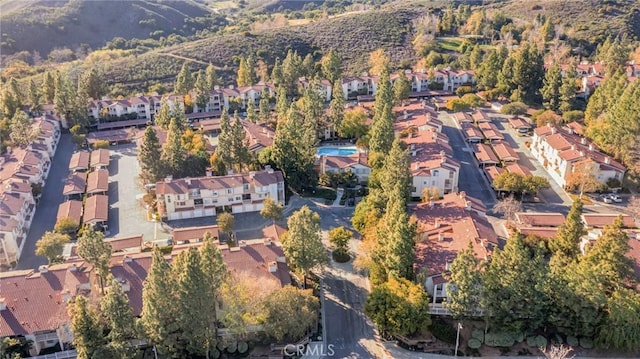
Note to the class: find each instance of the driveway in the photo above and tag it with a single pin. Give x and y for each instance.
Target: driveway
(470, 179)
(126, 215)
(47, 209)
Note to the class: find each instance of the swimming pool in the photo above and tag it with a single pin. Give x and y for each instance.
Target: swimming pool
(336, 151)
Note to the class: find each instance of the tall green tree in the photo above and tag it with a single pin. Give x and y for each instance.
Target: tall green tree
(547, 30)
(162, 118)
(513, 292)
(173, 153)
(282, 104)
(398, 307)
(568, 89)
(226, 221)
(195, 307)
(225, 141)
(184, 80)
(11, 98)
(294, 150)
(382, 128)
(336, 107)
(289, 313)
(276, 73)
(401, 89)
(271, 210)
(87, 332)
(65, 102)
(331, 66)
(252, 116)
(265, 107)
(396, 239)
(395, 175)
(464, 289)
(302, 244)
(159, 317)
(210, 76)
(48, 88)
(308, 66)
(603, 99)
(95, 251)
(489, 69)
(566, 244)
(91, 85)
(312, 106)
(51, 244)
(551, 87)
(34, 96)
(150, 157)
(620, 329)
(201, 90)
(291, 71)
(240, 155)
(528, 73)
(244, 73)
(22, 131)
(116, 313)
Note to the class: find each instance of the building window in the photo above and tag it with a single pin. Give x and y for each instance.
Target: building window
(230, 199)
(229, 191)
(246, 186)
(238, 198)
(179, 204)
(435, 172)
(168, 199)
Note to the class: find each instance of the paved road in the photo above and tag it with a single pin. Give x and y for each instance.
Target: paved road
(47, 209)
(471, 180)
(126, 215)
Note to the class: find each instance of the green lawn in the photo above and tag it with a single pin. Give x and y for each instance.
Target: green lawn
(449, 43)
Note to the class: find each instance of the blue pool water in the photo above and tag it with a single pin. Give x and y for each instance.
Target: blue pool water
(336, 151)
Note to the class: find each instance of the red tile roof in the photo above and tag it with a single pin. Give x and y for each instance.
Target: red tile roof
(519, 169)
(194, 234)
(70, 209)
(447, 228)
(599, 220)
(504, 151)
(493, 172)
(96, 209)
(536, 219)
(79, 161)
(517, 123)
(98, 181)
(100, 157)
(485, 154)
(544, 232)
(490, 131)
(76, 183)
(260, 178)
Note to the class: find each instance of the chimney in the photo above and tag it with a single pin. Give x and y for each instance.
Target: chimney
(8, 150)
(553, 129)
(413, 146)
(43, 269)
(231, 87)
(268, 169)
(188, 181)
(3, 304)
(208, 173)
(242, 244)
(573, 147)
(216, 88)
(127, 259)
(126, 287)
(462, 194)
(273, 267)
(168, 179)
(607, 159)
(437, 225)
(267, 241)
(440, 237)
(252, 174)
(73, 268)
(583, 141)
(467, 205)
(65, 295)
(581, 153)
(591, 148)
(405, 115)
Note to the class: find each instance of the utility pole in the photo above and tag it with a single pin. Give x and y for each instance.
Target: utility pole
(457, 339)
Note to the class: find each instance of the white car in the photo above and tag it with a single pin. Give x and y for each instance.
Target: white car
(611, 198)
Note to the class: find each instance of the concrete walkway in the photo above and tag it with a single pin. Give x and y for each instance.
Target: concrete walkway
(339, 194)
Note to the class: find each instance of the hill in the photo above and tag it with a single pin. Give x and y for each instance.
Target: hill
(586, 21)
(353, 36)
(42, 25)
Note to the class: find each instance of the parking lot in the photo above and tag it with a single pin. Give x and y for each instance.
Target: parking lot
(127, 216)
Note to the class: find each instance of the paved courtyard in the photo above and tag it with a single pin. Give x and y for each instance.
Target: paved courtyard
(126, 214)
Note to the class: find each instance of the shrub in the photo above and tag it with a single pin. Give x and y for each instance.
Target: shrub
(586, 343)
(443, 332)
(457, 105)
(463, 90)
(231, 348)
(531, 341)
(613, 183)
(478, 333)
(572, 341)
(514, 108)
(474, 343)
(473, 100)
(243, 347)
(499, 339)
(541, 341)
(571, 116)
(101, 144)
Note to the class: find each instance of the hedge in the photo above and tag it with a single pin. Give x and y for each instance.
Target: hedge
(474, 343)
(499, 339)
(443, 332)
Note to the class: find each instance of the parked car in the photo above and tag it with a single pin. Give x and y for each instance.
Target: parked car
(610, 198)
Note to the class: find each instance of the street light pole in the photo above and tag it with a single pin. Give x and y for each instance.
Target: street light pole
(457, 339)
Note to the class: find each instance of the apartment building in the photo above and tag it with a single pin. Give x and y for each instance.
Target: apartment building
(207, 196)
(561, 151)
